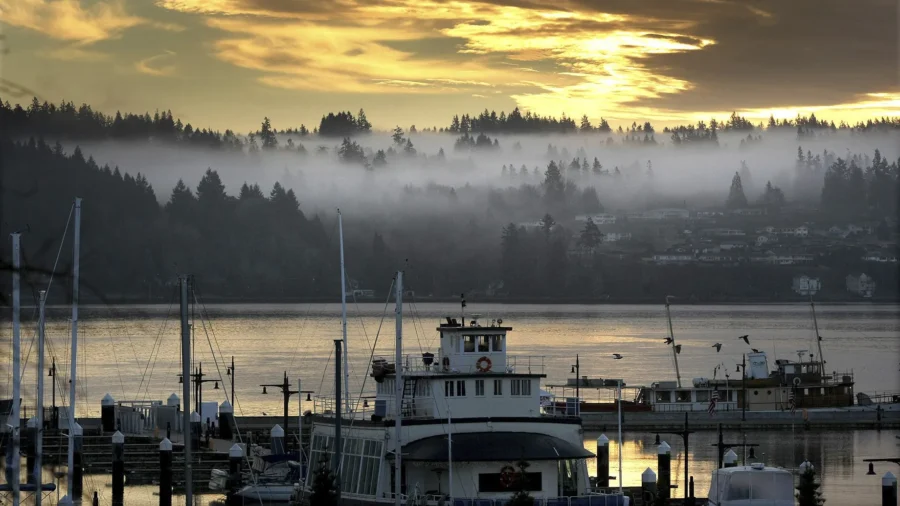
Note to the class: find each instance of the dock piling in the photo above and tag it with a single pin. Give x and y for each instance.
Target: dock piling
(226, 420)
(648, 486)
(691, 499)
(165, 473)
(195, 430)
(235, 458)
(118, 469)
(77, 470)
(889, 489)
(96, 499)
(31, 435)
(277, 437)
(664, 465)
(731, 459)
(108, 413)
(603, 461)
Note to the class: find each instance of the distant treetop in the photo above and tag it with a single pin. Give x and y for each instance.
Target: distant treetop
(343, 124)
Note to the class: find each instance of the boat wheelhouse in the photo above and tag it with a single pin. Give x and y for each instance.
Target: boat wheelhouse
(468, 416)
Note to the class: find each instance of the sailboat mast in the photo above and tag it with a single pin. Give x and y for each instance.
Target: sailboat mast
(344, 318)
(398, 390)
(449, 454)
(39, 436)
(672, 336)
(186, 391)
(74, 354)
(15, 417)
(818, 337)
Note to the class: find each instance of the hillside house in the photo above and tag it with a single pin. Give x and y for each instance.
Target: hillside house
(860, 284)
(805, 285)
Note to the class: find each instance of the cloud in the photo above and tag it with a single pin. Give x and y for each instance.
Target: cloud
(72, 21)
(75, 53)
(657, 58)
(150, 66)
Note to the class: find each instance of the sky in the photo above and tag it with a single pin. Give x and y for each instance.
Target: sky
(227, 63)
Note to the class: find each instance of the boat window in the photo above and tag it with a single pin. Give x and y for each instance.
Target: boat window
(520, 387)
(739, 486)
(484, 345)
(496, 343)
(663, 396)
(683, 396)
(498, 387)
(448, 389)
(479, 388)
(468, 344)
(492, 482)
(702, 395)
(514, 387)
(460, 388)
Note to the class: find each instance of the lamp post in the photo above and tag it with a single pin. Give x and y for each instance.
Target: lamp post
(229, 371)
(722, 446)
(198, 381)
(286, 393)
(577, 370)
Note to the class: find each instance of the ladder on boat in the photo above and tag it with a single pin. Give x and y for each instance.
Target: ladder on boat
(408, 401)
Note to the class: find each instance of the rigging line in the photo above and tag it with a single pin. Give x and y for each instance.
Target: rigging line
(325, 371)
(372, 353)
(416, 317)
(112, 346)
(300, 334)
(203, 310)
(137, 362)
(157, 346)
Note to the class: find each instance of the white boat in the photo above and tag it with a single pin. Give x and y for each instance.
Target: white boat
(466, 417)
(753, 485)
(275, 484)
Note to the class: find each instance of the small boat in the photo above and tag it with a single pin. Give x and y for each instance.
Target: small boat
(753, 485)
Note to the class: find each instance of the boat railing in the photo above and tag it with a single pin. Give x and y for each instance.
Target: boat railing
(522, 364)
(681, 407)
(136, 417)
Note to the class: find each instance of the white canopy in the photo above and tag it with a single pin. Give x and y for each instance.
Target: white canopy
(753, 485)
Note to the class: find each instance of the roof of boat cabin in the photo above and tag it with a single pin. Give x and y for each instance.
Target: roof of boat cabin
(493, 447)
(471, 330)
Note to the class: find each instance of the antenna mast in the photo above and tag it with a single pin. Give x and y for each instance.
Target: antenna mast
(74, 354)
(672, 336)
(398, 390)
(818, 337)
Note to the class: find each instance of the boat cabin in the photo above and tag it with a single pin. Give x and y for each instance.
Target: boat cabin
(753, 485)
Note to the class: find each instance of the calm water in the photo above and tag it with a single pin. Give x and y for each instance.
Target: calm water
(133, 353)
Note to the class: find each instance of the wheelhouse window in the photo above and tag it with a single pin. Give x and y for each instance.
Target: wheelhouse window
(460, 388)
(498, 387)
(469, 344)
(663, 396)
(496, 343)
(520, 387)
(702, 395)
(448, 389)
(683, 396)
(484, 344)
(479, 388)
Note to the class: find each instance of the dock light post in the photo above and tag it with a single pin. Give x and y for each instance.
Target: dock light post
(198, 381)
(229, 371)
(286, 393)
(576, 369)
(722, 446)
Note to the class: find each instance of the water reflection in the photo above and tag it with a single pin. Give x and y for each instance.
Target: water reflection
(837, 455)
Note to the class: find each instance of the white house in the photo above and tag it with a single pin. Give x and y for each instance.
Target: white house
(860, 284)
(598, 218)
(672, 258)
(616, 236)
(805, 285)
(666, 214)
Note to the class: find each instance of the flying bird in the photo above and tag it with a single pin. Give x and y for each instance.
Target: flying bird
(718, 347)
(678, 349)
(754, 350)
(669, 340)
(745, 338)
(617, 356)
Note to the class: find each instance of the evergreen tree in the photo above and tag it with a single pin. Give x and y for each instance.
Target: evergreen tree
(597, 168)
(736, 197)
(590, 202)
(362, 123)
(380, 159)
(547, 224)
(586, 124)
(397, 136)
(591, 237)
(409, 149)
(267, 136)
(773, 198)
(553, 183)
(808, 493)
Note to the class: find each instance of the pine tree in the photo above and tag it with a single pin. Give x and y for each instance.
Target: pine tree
(397, 136)
(553, 183)
(808, 493)
(591, 237)
(736, 197)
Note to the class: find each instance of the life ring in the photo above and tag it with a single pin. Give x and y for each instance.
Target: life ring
(507, 476)
(483, 364)
(445, 362)
(796, 382)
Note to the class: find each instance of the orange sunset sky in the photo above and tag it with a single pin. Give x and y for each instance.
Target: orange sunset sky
(228, 63)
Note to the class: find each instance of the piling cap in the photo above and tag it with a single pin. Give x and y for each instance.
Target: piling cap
(888, 480)
(65, 501)
(277, 431)
(648, 476)
(731, 457)
(664, 449)
(165, 445)
(107, 400)
(118, 438)
(31, 423)
(226, 407)
(805, 465)
(77, 429)
(602, 440)
(236, 452)
(195, 417)
(173, 400)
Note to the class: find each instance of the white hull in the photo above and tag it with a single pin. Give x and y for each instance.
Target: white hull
(270, 492)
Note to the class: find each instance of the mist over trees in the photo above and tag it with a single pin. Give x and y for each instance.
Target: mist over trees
(484, 206)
